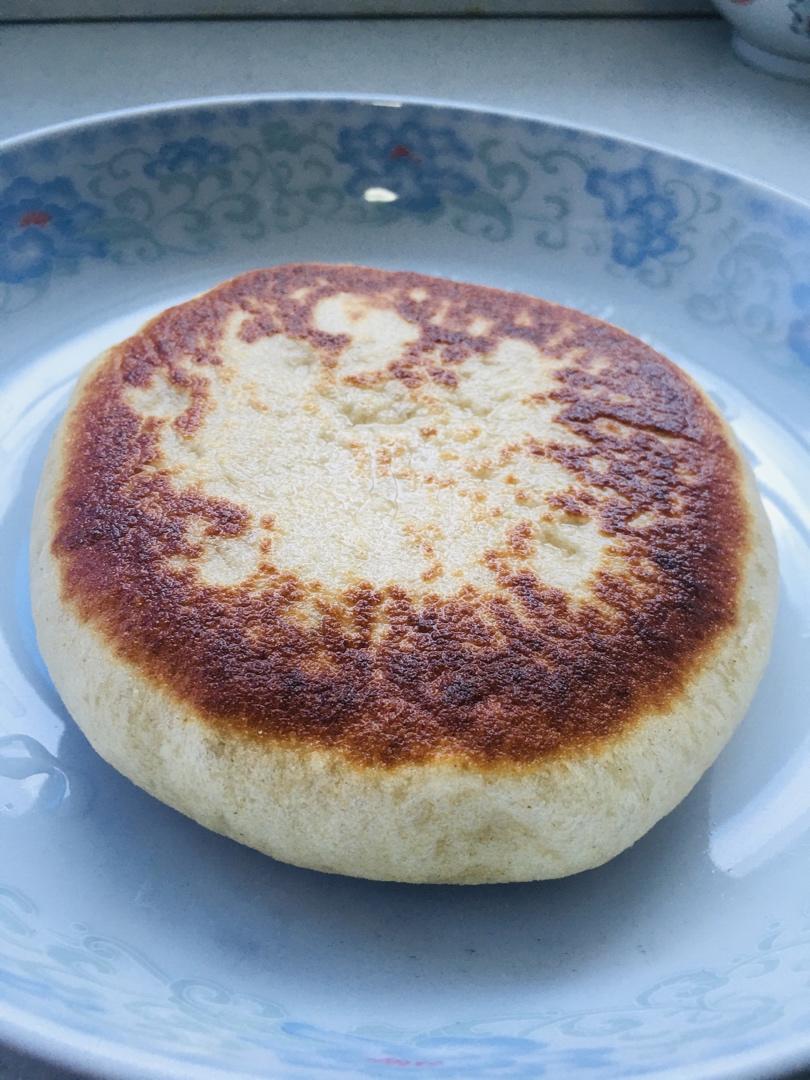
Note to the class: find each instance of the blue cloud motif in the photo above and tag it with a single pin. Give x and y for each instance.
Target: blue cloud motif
(800, 17)
(642, 215)
(799, 329)
(447, 1056)
(43, 224)
(419, 164)
(194, 157)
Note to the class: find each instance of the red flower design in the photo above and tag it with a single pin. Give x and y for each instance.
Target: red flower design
(34, 217)
(400, 151)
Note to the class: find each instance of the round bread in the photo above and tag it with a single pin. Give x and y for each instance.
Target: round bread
(396, 577)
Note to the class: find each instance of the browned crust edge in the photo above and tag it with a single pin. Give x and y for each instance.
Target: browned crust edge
(439, 683)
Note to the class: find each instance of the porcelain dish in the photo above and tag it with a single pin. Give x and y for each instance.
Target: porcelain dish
(134, 943)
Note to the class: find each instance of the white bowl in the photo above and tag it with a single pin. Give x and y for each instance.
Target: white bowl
(771, 34)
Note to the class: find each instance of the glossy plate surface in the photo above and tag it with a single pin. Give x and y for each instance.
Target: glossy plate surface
(138, 943)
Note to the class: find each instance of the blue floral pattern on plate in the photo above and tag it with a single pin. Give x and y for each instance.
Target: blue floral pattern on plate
(45, 225)
(641, 214)
(800, 17)
(194, 156)
(187, 194)
(419, 164)
(81, 977)
(799, 329)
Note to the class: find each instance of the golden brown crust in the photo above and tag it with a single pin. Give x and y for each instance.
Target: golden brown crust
(507, 676)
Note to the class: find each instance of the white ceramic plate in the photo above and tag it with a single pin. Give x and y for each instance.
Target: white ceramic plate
(134, 942)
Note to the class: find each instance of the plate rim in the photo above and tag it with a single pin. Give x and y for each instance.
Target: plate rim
(101, 1061)
(107, 1058)
(130, 112)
